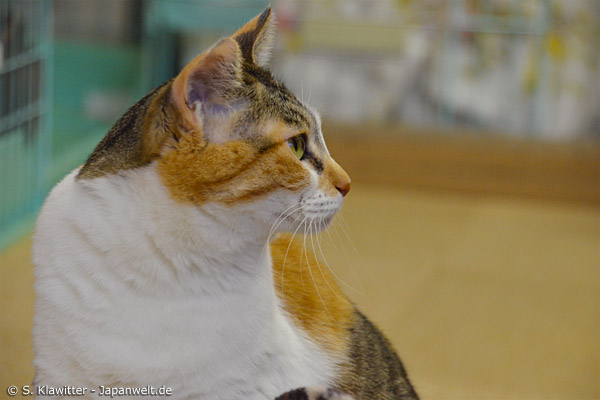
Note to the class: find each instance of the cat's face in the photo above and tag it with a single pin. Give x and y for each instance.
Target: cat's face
(244, 140)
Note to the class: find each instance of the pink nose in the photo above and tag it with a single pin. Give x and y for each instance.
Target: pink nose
(344, 188)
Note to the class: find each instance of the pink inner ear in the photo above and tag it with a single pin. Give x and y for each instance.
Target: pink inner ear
(208, 86)
(196, 92)
(215, 75)
(208, 80)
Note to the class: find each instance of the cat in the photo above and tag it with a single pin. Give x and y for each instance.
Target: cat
(154, 260)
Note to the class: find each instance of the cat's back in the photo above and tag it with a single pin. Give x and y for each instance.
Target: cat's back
(62, 212)
(79, 216)
(91, 251)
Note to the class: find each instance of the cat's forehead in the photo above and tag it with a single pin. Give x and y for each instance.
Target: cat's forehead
(272, 101)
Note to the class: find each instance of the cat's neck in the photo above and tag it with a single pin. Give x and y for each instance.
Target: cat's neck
(162, 241)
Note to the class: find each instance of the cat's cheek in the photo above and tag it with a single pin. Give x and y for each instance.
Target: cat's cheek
(231, 173)
(287, 171)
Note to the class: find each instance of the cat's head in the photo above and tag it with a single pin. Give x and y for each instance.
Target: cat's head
(226, 131)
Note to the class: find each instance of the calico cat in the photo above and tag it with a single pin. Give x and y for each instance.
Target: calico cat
(152, 259)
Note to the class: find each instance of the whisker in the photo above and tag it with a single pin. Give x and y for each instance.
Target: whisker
(286, 254)
(360, 259)
(331, 269)
(278, 221)
(302, 252)
(331, 240)
(282, 216)
(336, 226)
(315, 283)
(321, 271)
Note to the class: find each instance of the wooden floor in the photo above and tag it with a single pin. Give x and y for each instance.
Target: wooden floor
(484, 297)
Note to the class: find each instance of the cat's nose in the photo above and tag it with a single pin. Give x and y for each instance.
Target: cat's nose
(343, 188)
(338, 177)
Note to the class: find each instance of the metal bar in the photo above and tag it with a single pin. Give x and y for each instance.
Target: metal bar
(11, 53)
(2, 61)
(20, 116)
(25, 109)
(30, 125)
(22, 60)
(45, 124)
(3, 194)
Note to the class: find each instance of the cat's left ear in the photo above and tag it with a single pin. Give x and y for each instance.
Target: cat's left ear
(207, 86)
(256, 38)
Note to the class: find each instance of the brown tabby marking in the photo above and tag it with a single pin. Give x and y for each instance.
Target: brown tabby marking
(136, 139)
(374, 370)
(314, 393)
(311, 296)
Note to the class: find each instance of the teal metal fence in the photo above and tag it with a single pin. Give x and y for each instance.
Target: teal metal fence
(164, 20)
(25, 111)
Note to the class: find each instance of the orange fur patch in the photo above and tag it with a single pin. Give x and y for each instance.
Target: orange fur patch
(197, 171)
(310, 295)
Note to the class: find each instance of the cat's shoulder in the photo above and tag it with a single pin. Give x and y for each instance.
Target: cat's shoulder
(309, 293)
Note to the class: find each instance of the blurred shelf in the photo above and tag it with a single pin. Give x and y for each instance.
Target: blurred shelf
(469, 163)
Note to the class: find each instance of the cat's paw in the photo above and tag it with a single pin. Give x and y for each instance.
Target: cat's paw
(315, 393)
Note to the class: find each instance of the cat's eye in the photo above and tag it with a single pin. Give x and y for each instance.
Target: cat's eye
(298, 145)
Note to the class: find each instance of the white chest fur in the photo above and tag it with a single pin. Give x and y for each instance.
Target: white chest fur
(134, 289)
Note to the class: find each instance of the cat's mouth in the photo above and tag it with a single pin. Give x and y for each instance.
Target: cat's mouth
(304, 223)
(317, 220)
(310, 225)
(312, 214)
(320, 210)
(324, 222)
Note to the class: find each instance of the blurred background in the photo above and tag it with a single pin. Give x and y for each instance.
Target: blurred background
(470, 128)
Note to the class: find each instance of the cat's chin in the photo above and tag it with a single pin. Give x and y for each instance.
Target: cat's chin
(307, 225)
(324, 223)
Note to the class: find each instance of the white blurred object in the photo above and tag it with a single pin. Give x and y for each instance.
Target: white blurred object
(523, 68)
(106, 106)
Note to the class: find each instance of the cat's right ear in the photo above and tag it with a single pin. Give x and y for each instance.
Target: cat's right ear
(256, 38)
(208, 83)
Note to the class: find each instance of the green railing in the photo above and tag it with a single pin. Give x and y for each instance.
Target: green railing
(25, 111)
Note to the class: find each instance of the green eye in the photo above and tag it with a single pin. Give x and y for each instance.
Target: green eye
(298, 145)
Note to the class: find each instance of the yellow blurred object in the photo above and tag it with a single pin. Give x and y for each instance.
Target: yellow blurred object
(556, 46)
